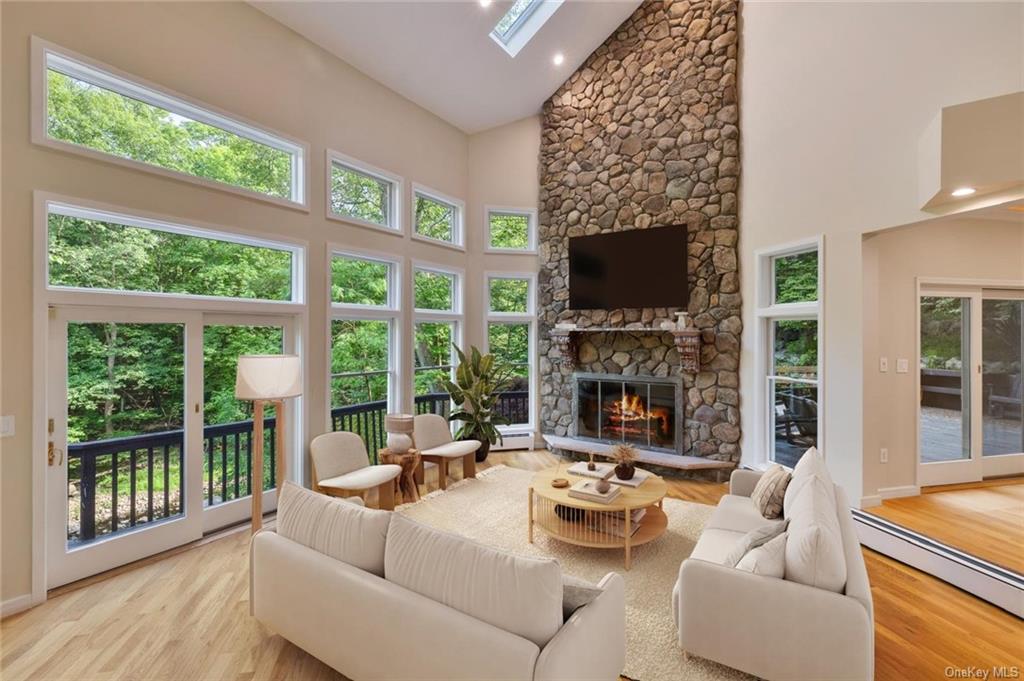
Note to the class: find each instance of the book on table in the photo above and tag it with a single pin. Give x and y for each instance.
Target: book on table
(587, 491)
(614, 522)
(603, 469)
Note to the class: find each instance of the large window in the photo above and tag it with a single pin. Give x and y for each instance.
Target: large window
(100, 250)
(91, 108)
(437, 293)
(437, 217)
(511, 324)
(788, 308)
(362, 194)
(364, 311)
(511, 230)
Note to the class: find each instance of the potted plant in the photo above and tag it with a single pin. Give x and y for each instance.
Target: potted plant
(479, 382)
(624, 457)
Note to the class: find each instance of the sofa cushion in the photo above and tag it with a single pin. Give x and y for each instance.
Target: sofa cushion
(736, 514)
(810, 467)
(814, 549)
(514, 593)
(768, 559)
(344, 531)
(714, 545)
(751, 540)
(770, 491)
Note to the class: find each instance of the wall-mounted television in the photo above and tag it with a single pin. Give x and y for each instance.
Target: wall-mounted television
(635, 268)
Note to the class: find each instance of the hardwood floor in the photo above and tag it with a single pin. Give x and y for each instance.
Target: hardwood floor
(985, 519)
(185, 615)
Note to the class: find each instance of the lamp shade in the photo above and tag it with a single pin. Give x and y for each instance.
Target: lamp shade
(268, 377)
(398, 423)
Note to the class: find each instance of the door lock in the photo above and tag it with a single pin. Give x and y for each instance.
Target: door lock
(52, 452)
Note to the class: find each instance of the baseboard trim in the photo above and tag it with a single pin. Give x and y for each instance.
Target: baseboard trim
(900, 491)
(869, 502)
(15, 605)
(988, 581)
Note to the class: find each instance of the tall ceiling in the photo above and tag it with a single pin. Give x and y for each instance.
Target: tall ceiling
(441, 56)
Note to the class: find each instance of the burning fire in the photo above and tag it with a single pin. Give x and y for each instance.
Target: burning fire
(625, 412)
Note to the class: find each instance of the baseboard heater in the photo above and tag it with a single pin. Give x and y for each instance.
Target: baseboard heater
(521, 440)
(988, 581)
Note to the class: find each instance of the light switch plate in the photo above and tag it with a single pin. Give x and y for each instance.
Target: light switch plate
(902, 366)
(6, 426)
(883, 364)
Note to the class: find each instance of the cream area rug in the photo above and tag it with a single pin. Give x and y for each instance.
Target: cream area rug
(491, 509)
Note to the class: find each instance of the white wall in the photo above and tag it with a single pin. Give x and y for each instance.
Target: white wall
(834, 97)
(238, 59)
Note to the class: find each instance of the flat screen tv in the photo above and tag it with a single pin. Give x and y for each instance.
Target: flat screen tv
(635, 268)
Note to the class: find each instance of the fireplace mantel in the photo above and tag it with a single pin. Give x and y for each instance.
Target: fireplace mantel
(687, 341)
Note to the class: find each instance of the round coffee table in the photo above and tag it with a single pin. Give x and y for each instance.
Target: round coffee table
(591, 523)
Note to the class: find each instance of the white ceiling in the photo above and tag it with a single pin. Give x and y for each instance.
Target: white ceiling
(440, 54)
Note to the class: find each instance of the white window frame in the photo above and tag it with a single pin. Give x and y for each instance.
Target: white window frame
(126, 305)
(531, 237)
(459, 216)
(390, 313)
(78, 66)
(768, 312)
(525, 26)
(90, 210)
(396, 191)
(454, 316)
(530, 318)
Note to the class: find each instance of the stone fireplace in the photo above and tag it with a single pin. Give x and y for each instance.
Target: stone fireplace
(643, 411)
(646, 134)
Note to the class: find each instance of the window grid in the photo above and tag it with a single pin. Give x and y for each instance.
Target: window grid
(494, 320)
(336, 161)
(450, 230)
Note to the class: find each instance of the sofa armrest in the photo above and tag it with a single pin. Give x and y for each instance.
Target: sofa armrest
(742, 481)
(591, 645)
(771, 627)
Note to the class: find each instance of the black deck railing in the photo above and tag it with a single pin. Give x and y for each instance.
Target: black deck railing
(159, 458)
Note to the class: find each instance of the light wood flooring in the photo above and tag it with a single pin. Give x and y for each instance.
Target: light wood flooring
(185, 615)
(985, 519)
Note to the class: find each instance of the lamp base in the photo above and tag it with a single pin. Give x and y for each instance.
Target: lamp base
(399, 443)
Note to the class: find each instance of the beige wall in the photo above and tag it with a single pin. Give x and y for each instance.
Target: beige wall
(893, 260)
(238, 59)
(834, 97)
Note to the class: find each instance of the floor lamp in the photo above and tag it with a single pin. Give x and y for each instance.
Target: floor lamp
(263, 379)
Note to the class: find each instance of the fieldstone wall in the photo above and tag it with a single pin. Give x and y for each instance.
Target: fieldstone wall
(645, 134)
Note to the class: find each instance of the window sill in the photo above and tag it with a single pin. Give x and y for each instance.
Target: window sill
(437, 242)
(357, 222)
(510, 251)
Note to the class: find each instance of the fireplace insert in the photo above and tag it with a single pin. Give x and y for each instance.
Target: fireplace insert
(640, 410)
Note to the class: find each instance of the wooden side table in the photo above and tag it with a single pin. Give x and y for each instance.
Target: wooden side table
(406, 488)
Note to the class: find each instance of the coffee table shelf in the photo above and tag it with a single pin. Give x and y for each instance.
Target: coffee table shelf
(586, 523)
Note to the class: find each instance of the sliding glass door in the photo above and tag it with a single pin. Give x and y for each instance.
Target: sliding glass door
(970, 407)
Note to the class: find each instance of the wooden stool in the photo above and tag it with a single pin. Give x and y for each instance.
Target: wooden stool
(406, 488)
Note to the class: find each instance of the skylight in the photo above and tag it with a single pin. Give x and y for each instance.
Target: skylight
(521, 22)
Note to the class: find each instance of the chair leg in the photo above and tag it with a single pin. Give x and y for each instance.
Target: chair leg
(386, 496)
(442, 472)
(469, 466)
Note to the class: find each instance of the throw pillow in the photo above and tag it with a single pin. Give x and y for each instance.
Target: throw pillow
(753, 539)
(811, 466)
(770, 491)
(768, 559)
(575, 594)
(814, 551)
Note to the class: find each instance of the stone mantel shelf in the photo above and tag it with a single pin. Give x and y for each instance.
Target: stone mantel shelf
(614, 329)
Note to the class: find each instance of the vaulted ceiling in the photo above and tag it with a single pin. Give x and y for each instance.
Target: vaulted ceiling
(441, 56)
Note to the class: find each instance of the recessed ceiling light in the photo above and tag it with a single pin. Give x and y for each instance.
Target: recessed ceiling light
(485, 3)
(964, 191)
(558, 58)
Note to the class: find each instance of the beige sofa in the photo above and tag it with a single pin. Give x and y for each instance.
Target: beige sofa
(376, 595)
(770, 627)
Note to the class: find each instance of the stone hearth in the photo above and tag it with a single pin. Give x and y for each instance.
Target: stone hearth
(646, 134)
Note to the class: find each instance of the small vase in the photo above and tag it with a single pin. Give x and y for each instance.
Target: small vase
(399, 443)
(603, 486)
(625, 471)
